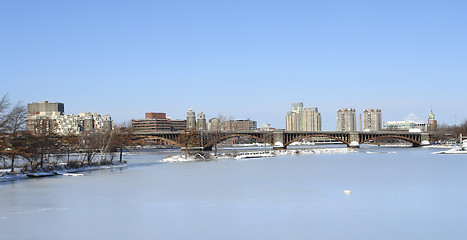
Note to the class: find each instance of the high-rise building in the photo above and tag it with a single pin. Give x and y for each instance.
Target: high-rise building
(303, 119)
(346, 120)
(372, 120)
(45, 108)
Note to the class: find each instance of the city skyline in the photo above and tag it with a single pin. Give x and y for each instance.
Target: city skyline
(192, 118)
(247, 59)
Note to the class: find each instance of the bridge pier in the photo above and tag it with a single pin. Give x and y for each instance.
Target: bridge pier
(354, 140)
(278, 141)
(424, 139)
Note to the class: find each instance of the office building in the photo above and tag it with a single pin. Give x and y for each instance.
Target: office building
(157, 122)
(239, 125)
(45, 108)
(404, 126)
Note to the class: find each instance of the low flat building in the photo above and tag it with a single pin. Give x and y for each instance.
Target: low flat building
(150, 125)
(177, 125)
(404, 126)
(157, 122)
(239, 125)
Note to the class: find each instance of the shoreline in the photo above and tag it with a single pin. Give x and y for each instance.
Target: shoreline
(8, 177)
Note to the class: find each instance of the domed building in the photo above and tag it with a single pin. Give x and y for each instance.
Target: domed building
(432, 122)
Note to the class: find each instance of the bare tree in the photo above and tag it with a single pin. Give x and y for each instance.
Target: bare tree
(11, 124)
(103, 143)
(46, 139)
(123, 139)
(4, 117)
(189, 139)
(450, 132)
(87, 145)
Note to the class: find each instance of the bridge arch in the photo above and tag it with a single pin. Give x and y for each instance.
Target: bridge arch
(407, 139)
(162, 138)
(214, 141)
(301, 137)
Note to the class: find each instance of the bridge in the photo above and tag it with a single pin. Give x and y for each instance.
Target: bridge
(205, 140)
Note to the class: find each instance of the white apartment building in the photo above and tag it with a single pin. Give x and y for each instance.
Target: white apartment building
(372, 120)
(346, 120)
(65, 124)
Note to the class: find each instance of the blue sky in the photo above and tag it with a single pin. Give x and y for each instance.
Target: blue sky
(246, 59)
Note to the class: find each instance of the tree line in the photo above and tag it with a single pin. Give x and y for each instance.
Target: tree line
(42, 149)
(450, 132)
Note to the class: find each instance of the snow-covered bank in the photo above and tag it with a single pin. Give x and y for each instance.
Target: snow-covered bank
(5, 176)
(439, 146)
(184, 158)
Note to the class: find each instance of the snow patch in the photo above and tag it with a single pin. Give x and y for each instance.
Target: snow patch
(184, 158)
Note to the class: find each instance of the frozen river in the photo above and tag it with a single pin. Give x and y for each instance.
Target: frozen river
(396, 193)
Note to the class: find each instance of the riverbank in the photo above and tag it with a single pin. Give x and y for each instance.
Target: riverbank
(272, 153)
(6, 176)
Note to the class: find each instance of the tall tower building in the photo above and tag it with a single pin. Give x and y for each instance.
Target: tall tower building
(202, 126)
(191, 120)
(88, 122)
(372, 119)
(346, 120)
(432, 122)
(303, 119)
(107, 126)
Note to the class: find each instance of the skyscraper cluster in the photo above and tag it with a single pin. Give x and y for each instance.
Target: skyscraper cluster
(347, 120)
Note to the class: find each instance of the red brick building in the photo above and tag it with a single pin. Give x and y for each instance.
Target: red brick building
(157, 122)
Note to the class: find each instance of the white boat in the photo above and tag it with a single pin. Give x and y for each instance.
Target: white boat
(245, 155)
